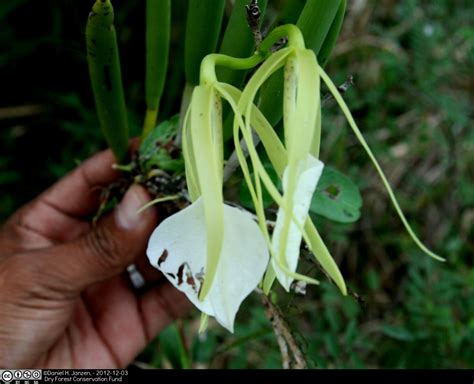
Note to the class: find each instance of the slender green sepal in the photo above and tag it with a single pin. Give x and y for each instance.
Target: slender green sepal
(322, 255)
(185, 101)
(207, 154)
(316, 144)
(158, 24)
(104, 69)
(345, 110)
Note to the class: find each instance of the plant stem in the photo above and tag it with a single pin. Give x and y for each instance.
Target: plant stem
(157, 201)
(284, 336)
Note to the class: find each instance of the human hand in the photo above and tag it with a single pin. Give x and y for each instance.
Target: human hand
(64, 299)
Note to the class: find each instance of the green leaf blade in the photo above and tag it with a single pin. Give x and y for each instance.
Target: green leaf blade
(337, 197)
(203, 26)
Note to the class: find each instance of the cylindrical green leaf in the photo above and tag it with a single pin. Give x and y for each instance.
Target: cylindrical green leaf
(104, 69)
(158, 23)
(238, 40)
(333, 34)
(203, 26)
(315, 22)
(291, 11)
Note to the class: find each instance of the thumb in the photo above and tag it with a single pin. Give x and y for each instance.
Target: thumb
(111, 246)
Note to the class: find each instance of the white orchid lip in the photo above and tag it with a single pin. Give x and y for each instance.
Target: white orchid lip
(178, 248)
(309, 172)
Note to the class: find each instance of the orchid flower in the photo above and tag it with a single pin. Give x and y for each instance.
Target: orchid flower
(201, 249)
(218, 254)
(215, 253)
(296, 163)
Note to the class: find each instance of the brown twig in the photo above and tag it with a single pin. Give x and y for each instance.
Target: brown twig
(284, 337)
(253, 19)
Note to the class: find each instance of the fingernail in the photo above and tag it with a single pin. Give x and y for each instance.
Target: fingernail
(126, 214)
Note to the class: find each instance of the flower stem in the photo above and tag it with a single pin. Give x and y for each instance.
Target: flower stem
(209, 63)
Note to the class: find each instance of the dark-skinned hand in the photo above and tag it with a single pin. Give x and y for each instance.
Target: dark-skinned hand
(65, 298)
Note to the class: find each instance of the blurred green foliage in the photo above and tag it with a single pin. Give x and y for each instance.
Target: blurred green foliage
(412, 64)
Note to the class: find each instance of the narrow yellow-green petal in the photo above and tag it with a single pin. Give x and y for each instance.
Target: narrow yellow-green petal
(333, 89)
(207, 165)
(322, 255)
(278, 157)
(189, 160)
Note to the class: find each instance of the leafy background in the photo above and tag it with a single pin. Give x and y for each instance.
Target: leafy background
(412, 64)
